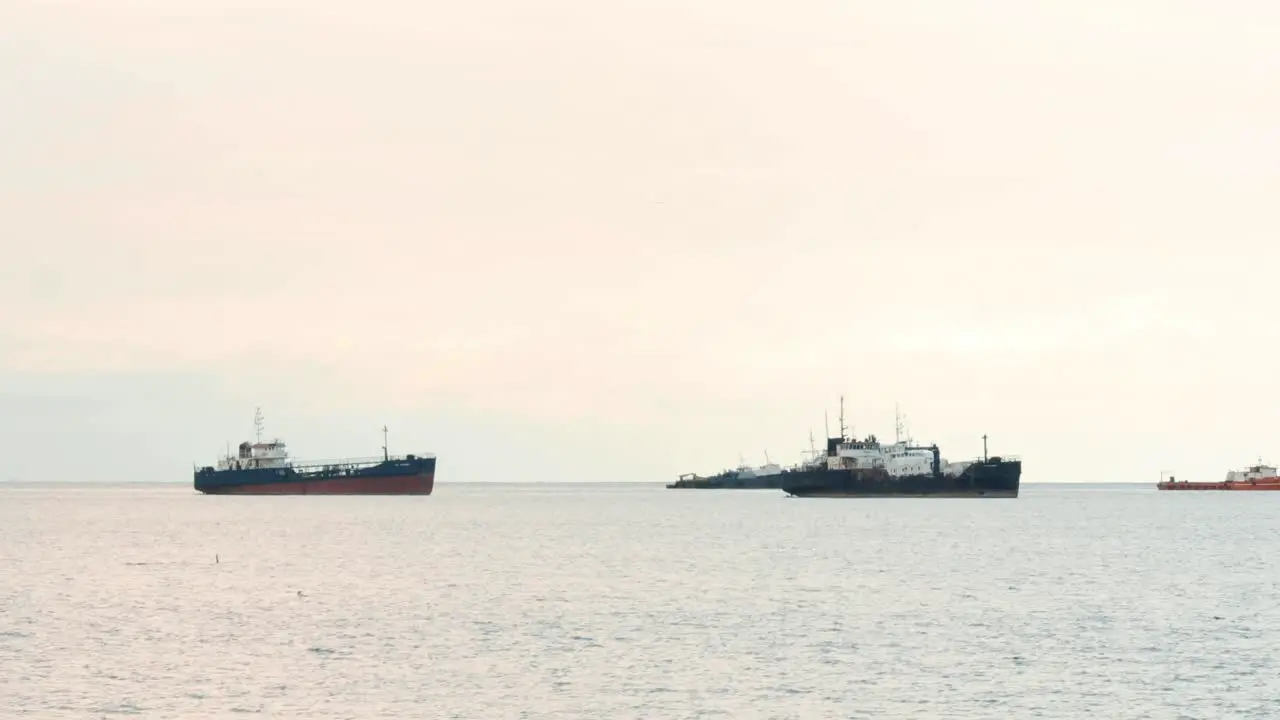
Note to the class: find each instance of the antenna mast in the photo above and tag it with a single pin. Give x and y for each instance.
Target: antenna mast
(257, 423)
(385, 454)
(842, 435)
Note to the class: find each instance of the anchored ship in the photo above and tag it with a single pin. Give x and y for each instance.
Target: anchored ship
(265, 468)
(867, 468)
(764, 477)
(1255, 477)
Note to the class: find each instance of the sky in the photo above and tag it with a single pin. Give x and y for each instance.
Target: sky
(617, 241)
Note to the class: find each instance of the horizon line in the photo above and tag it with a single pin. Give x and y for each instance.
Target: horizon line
(516, 482)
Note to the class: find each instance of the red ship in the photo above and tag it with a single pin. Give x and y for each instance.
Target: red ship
(1256, 477)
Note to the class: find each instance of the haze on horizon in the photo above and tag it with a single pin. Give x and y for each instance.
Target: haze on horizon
(619, 241)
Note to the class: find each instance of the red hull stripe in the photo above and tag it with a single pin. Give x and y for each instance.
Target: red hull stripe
(391, 485)
(1235, 486)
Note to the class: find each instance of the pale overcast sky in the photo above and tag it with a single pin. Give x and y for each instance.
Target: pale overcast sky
(608, 240)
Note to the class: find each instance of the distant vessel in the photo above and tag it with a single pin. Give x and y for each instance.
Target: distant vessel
(764, 477)
(1256, 477)
(264, 468)
(866, 468)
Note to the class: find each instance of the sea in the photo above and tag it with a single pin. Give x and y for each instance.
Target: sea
(491, 601)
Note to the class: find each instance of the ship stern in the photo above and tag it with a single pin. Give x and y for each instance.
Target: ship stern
(997, 477)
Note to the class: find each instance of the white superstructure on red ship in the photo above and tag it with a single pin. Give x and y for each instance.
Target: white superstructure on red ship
(1255, 477)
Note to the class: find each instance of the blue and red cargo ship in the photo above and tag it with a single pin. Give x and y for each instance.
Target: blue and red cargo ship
(265, 468)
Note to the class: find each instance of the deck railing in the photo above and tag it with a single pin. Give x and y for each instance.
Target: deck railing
(356, 462)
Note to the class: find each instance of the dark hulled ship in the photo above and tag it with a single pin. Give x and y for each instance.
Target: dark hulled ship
(867, 468)
(265, 468)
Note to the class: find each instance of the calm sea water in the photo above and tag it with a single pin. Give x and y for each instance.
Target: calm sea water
(624, 601)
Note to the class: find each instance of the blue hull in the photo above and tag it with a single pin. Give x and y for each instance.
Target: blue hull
(410, 475)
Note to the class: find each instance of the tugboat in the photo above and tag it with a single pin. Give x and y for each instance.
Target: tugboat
(866, 468)
(264, 468)
(1255, 477)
